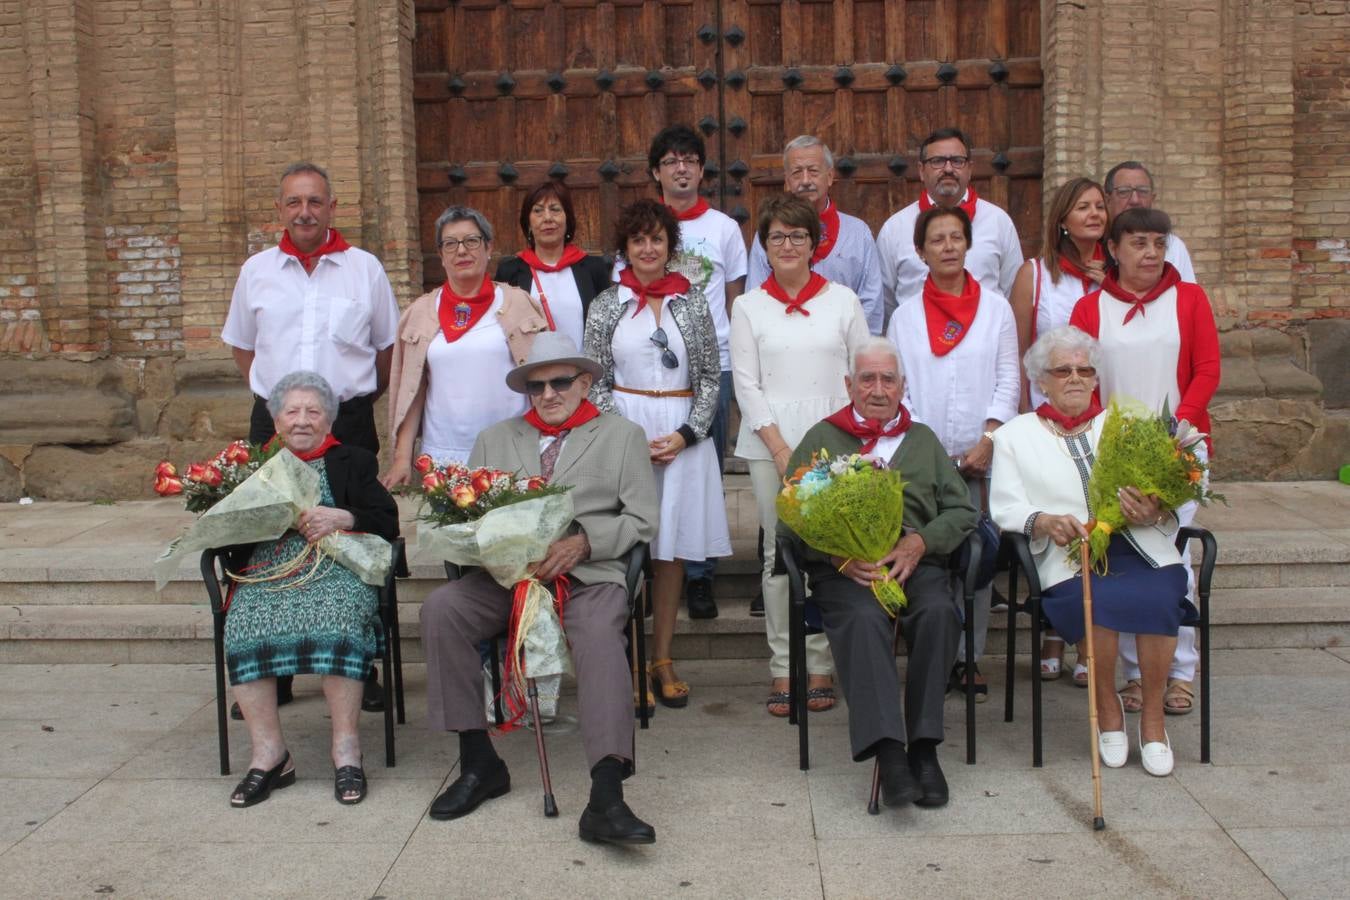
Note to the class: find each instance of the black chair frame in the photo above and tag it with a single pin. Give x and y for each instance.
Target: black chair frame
(216, 577)
(964, 563)
(1022, 561)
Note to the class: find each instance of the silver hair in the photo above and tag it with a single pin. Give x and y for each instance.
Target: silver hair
(875, 344)
(463, 214)
(303, 381)
(806, 142)
(1068, 338)
(299, 168)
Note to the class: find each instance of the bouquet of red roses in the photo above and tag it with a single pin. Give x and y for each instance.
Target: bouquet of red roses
(204, 484)
(505, 524)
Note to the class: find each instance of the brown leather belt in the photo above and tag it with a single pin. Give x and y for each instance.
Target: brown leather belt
(625, 390)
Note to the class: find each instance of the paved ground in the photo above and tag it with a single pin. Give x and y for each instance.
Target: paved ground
(110, 786)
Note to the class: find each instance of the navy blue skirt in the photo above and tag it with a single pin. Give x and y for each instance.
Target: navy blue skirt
(1131, 598)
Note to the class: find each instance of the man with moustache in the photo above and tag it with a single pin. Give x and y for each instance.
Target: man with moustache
(846, 254)
(1128, 185)
(995, 252)
(314, 303)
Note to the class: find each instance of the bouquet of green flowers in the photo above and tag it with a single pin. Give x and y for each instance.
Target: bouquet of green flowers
(849, 506)
(1146, 450)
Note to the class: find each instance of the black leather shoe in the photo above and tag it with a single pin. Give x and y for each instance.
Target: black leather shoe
(757, 606)
(616, 825)
(372, 695)
(285, 695)
(698, 595)
(897, 785)
(469, 790)
(923, 763)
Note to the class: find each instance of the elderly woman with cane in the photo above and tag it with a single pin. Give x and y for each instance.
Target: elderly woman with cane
(1042, 464)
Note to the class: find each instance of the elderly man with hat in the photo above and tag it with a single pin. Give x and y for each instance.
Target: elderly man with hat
(604, 459)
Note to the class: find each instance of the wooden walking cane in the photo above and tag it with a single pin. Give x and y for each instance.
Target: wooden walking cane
(1098, 823)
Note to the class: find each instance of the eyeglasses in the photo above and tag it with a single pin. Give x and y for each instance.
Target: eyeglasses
(796, 238)
(560, 384)
(673, 162)
(1063, 372)
(470, 243)
(1143, 193)
(941, 162)
(668, 357)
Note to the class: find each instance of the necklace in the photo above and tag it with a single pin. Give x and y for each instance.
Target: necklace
(1056, 430)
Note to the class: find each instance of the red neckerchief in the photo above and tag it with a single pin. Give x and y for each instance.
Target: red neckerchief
(949, 316)
(1111, 286)
(1069, 423)
(814, 285)
(459, 314)
(333, 243)
(667, 284)
(926, 203)
(699, 208)
(328, 443)
(829, 232)
(1068, 267)
(869, 431)
(571, 255)
(585, 412)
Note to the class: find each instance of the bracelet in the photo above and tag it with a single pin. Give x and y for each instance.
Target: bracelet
(787, 450)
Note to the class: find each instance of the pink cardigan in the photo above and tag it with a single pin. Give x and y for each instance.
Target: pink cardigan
(520, 319)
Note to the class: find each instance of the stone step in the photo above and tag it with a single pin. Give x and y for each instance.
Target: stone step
(141, 633)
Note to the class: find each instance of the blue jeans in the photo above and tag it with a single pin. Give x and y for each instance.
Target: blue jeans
(718, 435)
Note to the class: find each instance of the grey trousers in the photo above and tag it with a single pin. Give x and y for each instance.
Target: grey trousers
(860, 636)
(983, 595)
(458, 615)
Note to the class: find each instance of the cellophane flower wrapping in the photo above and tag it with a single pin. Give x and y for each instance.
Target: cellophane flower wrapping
(1145, 450)
(507, 542)
(850, 506)
(262, 508)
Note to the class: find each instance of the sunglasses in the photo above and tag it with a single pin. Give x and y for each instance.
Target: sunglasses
(536, 388)
(668, 357)
(1063, 372)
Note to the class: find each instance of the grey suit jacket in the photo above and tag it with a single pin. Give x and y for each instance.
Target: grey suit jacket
(606, 462)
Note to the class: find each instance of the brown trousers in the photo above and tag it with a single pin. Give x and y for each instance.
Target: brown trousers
(460, 614)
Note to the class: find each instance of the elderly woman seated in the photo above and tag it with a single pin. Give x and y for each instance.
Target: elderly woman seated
(322, 622)
(1042, 463)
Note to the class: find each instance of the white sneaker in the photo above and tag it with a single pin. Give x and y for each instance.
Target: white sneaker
(1156, 755)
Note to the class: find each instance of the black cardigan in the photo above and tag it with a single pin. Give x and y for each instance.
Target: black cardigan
(593, 274)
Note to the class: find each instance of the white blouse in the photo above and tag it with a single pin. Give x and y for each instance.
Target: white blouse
(1139, 359)
(977, 380)
(789, 369)
(564, 301)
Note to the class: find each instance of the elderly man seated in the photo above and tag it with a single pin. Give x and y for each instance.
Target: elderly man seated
(938, 516)
(604, 458)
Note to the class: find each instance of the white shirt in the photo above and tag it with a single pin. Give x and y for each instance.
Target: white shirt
(975, 381)
(332, 321)
(852, 262)
(1054, 305)
(789, 369)
(711, 254)
(1180, 258)
(994, 257)
(564, 301)
(1139, 360)
(466, 387)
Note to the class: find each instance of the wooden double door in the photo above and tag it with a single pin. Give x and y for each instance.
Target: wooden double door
(510, 94)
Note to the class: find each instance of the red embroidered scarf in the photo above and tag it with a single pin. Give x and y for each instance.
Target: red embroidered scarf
(1110, 285)
(926, 203)
(585, 412)
(814, 285)
(333, 243)
(1069, 423)
(667, 284)
(459, 314)
(1068, 267)
(693, 212)
(829, 232)
(869, 431)
(949, 316)
(571, 255)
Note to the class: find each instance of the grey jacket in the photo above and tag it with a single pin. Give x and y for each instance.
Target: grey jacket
(690, 312)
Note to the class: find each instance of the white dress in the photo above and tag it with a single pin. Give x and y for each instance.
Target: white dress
(1054, 305)
(693, 523)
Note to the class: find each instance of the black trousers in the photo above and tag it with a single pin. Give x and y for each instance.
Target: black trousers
(355, 423)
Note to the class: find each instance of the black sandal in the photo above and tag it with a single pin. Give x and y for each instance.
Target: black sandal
(346, 780)
(259, 783)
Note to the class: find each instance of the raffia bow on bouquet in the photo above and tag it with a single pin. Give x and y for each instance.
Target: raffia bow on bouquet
(490, 518)
(262, 507)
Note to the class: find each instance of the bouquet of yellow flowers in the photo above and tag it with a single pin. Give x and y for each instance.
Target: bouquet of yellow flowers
(849, 506)
(1146, 450)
